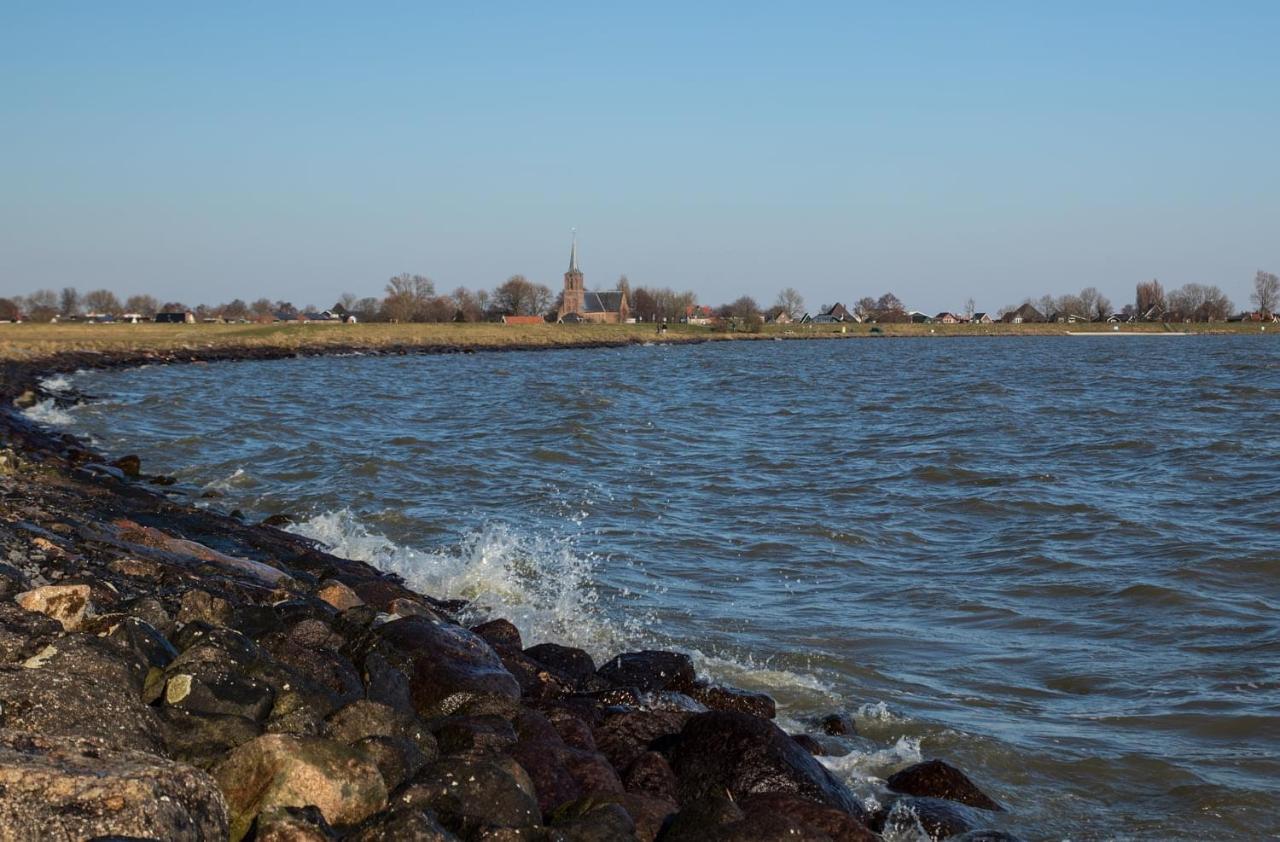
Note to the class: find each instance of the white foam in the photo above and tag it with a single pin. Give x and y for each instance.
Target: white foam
(48, 413)
(540, 584)
(871, 765)
(56, 383)
(237, 477)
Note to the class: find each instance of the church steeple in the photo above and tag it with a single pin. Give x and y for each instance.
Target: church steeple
(573, 252)
(574, 290)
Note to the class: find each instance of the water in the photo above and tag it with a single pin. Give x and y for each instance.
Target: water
(1051, 561)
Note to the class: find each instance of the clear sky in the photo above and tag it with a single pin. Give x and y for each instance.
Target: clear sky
(943, 150)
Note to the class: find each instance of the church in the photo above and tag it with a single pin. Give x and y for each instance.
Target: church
(582, 305)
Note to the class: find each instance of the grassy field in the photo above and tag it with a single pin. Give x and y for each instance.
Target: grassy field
(27, 341)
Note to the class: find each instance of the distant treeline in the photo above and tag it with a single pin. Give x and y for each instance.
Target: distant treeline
(414, 298)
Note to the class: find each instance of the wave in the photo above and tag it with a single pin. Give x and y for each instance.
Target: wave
(48, 413)
(57, 383)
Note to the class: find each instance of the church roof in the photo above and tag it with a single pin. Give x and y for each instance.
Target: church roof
(602, 302)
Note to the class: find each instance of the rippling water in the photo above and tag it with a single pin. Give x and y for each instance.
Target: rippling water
(1052, 561)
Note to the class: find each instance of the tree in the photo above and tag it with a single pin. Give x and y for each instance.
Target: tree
(1198, 303)
(889, 308)
(791, 302)
(1266, 292)
(1150, 301)
(102, 301)
(467, 306)
(179, 307)
(624, 285)
(366, 309)
(644, 305)
(407, 297)
(969, 309)
(235, 311)
(70, 304)
(144, 305)
(743, 308)
(260, 309)
(42, 305)
(10, 311)
(865, 308)
(521, 297)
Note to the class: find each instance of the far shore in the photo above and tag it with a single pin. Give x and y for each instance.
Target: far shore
(34, 341)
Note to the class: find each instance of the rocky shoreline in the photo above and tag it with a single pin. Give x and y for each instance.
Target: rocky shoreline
(174, 673)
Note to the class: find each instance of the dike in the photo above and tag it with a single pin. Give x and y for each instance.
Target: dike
(175, 673)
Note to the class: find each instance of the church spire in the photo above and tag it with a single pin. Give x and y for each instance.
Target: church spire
(573, 252)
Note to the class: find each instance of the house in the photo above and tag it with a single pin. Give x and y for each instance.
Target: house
(1024, 314)
(778, 316)
(918, 318)
(981, 319)
(947, 318)
(1067, 318)
(525, 320)
(1119, 318)
(699, 314)
(132, 318)
(836, 313)
(176, 317)
(610, 307)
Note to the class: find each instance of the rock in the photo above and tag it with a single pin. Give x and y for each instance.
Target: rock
(649, 813)
(130, 466)
(537, 683)
(68, 604)
(277, 770)
(938, 779)
(401, 607)
(838, 725)
(935, 817)
(809, 744)
(204, 606)
(12, 582)
(650, 670)
(467, 795)
(816, 819)
(141, 640)
(475, 736)
(625, 734)
(401, 826)
(24, 633)
(397, 758)
(650, 774)
(79, 686)
(716, 697)
(152, 611)
(292, 824)
(573, 730)
(207, 679)
(338, 595)
(81, 788)
(278, 520)
(740, 754)
(574, 665)
(362, 719)
(450, 670)
(560, 774)
(204, 739)
(500, 634)
(702, 820)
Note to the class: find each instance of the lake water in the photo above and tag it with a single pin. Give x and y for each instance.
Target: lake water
(1054, 562)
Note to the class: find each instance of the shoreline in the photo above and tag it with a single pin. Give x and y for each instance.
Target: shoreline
(211, 677)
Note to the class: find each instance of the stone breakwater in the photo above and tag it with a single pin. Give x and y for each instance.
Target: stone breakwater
(175, 673)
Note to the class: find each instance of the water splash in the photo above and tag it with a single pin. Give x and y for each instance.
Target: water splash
(48, 413)
(235, 479)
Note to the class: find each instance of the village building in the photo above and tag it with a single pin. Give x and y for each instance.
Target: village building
(176, 317)
(1024, 314)
(834, 314)
(981, 319)
(608, 307)
(947, 318)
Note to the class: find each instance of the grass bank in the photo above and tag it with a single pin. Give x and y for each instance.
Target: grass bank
(35, 341)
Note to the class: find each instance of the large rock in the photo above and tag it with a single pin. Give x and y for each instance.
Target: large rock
(401, 826)
(81, 788)
(720, 752)
(718, 697)
(815, 818)
(650, 670)
(560, 774)
(715, 818)
(68, 604)
(277, 770)
(938, 779)
(626, 733)
(449, 669)
(572, 664)
(469, 796)
(908, 817)
(23, 633)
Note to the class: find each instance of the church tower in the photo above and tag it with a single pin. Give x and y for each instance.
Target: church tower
(574, 291)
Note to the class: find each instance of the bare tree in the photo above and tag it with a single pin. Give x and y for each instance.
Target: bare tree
(469, 308)
(1150, 301)
(1266, 292)
(521, 297)
(865, 308)
(407, 297)
(889, 308)
(42, 305)
(144, 305)
(102, 301)
(261, 309)
(235, 310)
(791, 302)
(969, 309)
(70, 303)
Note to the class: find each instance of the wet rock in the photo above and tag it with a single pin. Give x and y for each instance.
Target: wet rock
(278, 520)
(908, 816)
(450, 669)
(716, 697)
(590, 820)
(500, 634)
(837, 725)
(12, 582)
(560, 773)
(385, 683)
(23, 633)
(285, 771)
(809, 744)
(537, 683)
(624, 734)
(815, 818)
(327, 670)
(130, 466)
(572, 664)
(79, 686)
(338, 595)
(938, 779)
(292, 824)
(986, 835)
(81, 788)
(362, 718)
(702, 820)
(650, 670)
(398, 759)
(469, 795)
(648, 812)
(744, 756)
(152, 611)
(68, 604)
(401, 826)
(141, 640)
(572, 729)
(475, 736)
(207, 679)
(651, 774)
(203, 606)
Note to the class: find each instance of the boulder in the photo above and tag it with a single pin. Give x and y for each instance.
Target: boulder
(716, 697)
(837, 725)
(650, 774)
(650, 670)
(648, 812)
(500, 634)
(938, 779)
(560, 774)
(130, 466)
(449, 669)
(910, 817)
(474, 736)
(594, 821)
(68, 604)
(23, 633)
(279, 770)
(362, 719)
(397, 758)
(204, 739)
(742, 755)
(398, 825)
(338, 595)
(467, 795)
(809, 744)
(816, 818)
(537, 683)
(625, 733)
(715, 818)
(575, 665)
(292, 824)
(208, 679)
(81, 788)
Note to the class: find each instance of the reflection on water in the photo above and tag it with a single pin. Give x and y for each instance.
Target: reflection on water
(1053, 561)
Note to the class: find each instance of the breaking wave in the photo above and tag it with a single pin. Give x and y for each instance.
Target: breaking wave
(48, 413)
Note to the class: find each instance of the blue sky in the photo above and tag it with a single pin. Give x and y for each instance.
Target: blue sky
(937, 150)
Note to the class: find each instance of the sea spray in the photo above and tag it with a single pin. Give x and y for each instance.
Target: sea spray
(48, 413)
